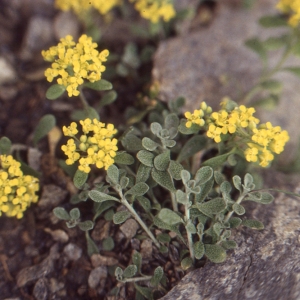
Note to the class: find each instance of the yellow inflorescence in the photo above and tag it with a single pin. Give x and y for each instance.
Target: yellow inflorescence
(153, 10)
(75, 62)
(262, 141)
(17, 191)
(96, 144)
(80, 6)
(292, 7)
(198, 116)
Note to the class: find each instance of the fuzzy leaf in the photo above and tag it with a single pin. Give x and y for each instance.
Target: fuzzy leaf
(257, 46)
(138, 189)
(124, 158)
(237, 182)
(145, 157)
(274, 86)
(80, 178)
(203, 175)
(137, 259)
(212, 207)
(102, 207)
(216, 161)
(191, 147)
(61, 213)
(144, 202)
(46, 123)
(100, 197)
(204, 190)
(155, 128)
(130, 271)
(225, 187)
(185, 176)
(164, 179)
(248, 182)
(169, 143)
(161, 161)
(5, 145)
(238, 209)
(119, 273)
(175, 169)
(75, 213)
(143, 173)
(163, 238)
(275, 43)
(272, 21)
(113, 174)
(169, 216)
(146, 292)
(191, 130)
(132, 142)
(219, 177)
(124, 182)
(199, 249)
(149, 144)
(86, 225)
(171, 121)
(235, 222)
(108, 244)
(121, 216)
(215, 253)
(55, 91)
(108, 98)
(92, 248)
(157, 276)
(227, 245)
(191, 228)
(293, 70)
(181, 197)
(186, 263)
(100, 85)
(254, 224)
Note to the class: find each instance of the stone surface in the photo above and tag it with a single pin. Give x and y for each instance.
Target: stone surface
(96, 275)
(266, 264)
(212, 62)
(129, 228)
(52, 196)
(7, 72)
(72, 251)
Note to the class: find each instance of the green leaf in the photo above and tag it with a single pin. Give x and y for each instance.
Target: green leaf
(238, 209)
(185, 176)
(143, 173)
(124, 182)
(199, 249)
(144, 202)
(101, 207)
(55, 91)
(171, 121)
(175, 169)
(100, 197)
(181, 197)
(75, 213)
(215, 253)
(191, 130)
(61, 213)
(212, 207)
(100, 85)
(108, 98)
(272, 21)
(5, 145)
(149, 144)
(155, 128)
(108, 244)
(137, 259)
(219, 177)
(227, 245)
(132, 142)
(163, 238)
(46, 123)
(86, 225)
(119, 273)
(157, 276)
(123, 158)
(186, 263)
(168, 143)
(146, 292)
(216, 161)
(257, 46)
(161, 161)
(138, 189)
(248, 182)
(113, 174)
(237, 182)
(145, 157)
(274, 86)
(204, 190)
(164, 179)
(254, 224)
(80, 178)
(191, 147)
(293, 70)
(169, 216)
(275, 43)
(130, 56)
(225, 188)
(234, 222)
(203, 175)
(121, 216)
(190, 227)
(92, 248)
(130, 271)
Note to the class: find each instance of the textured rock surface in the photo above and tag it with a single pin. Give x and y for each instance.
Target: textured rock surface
(266, 265)
(212, 62)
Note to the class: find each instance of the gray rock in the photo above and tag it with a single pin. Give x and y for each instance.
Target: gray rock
(7, 72)
(52, 196)
(96, 275)
(266, 264)
(40, 290)
(72, 251)
(129, 228)
(212, 62)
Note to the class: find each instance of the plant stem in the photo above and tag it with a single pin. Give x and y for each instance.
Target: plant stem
(189, 235)
(138, 219)
(174, 202)
(82, 98)
(137, 279)
(238, 201)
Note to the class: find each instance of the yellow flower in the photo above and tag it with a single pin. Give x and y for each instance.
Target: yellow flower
(95, 147)
(17, 191)
(290, 7)
(75, 63)
(153, 10)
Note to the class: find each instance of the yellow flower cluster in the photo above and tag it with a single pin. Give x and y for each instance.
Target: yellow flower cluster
(293, 7)
(198, 116)
(75, 62)
(80, 6)
(17, 191)
(96, 143)
(265, 140)
(153, 10)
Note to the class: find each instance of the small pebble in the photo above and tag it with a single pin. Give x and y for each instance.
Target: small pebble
(72, 251)
(129, 228)
(99, 260)
(58, 235)
(40, 290)
(96, 275)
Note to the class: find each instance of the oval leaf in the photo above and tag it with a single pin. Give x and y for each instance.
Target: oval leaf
(215, 253)
(121, 216)
(55, 91)
(5, 145)
(113, 174)
(124, 159)
(169, 216)
(45, 124)
(157, 276)
(86, 225)
(145, 157)
(199, 249)
(238, 209)
(100, 85)
(212, 207)
(75, 213)
(254, 224)
(149, 144)
(186, 263)
(191, 147)
(61, 213)
(217, 161)
(164, 179)
(139, 189)
(80, 178)
(161, 161)
(130, 271)
(203, 175)
(100, 197)
(108, 98)
(175, 169)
